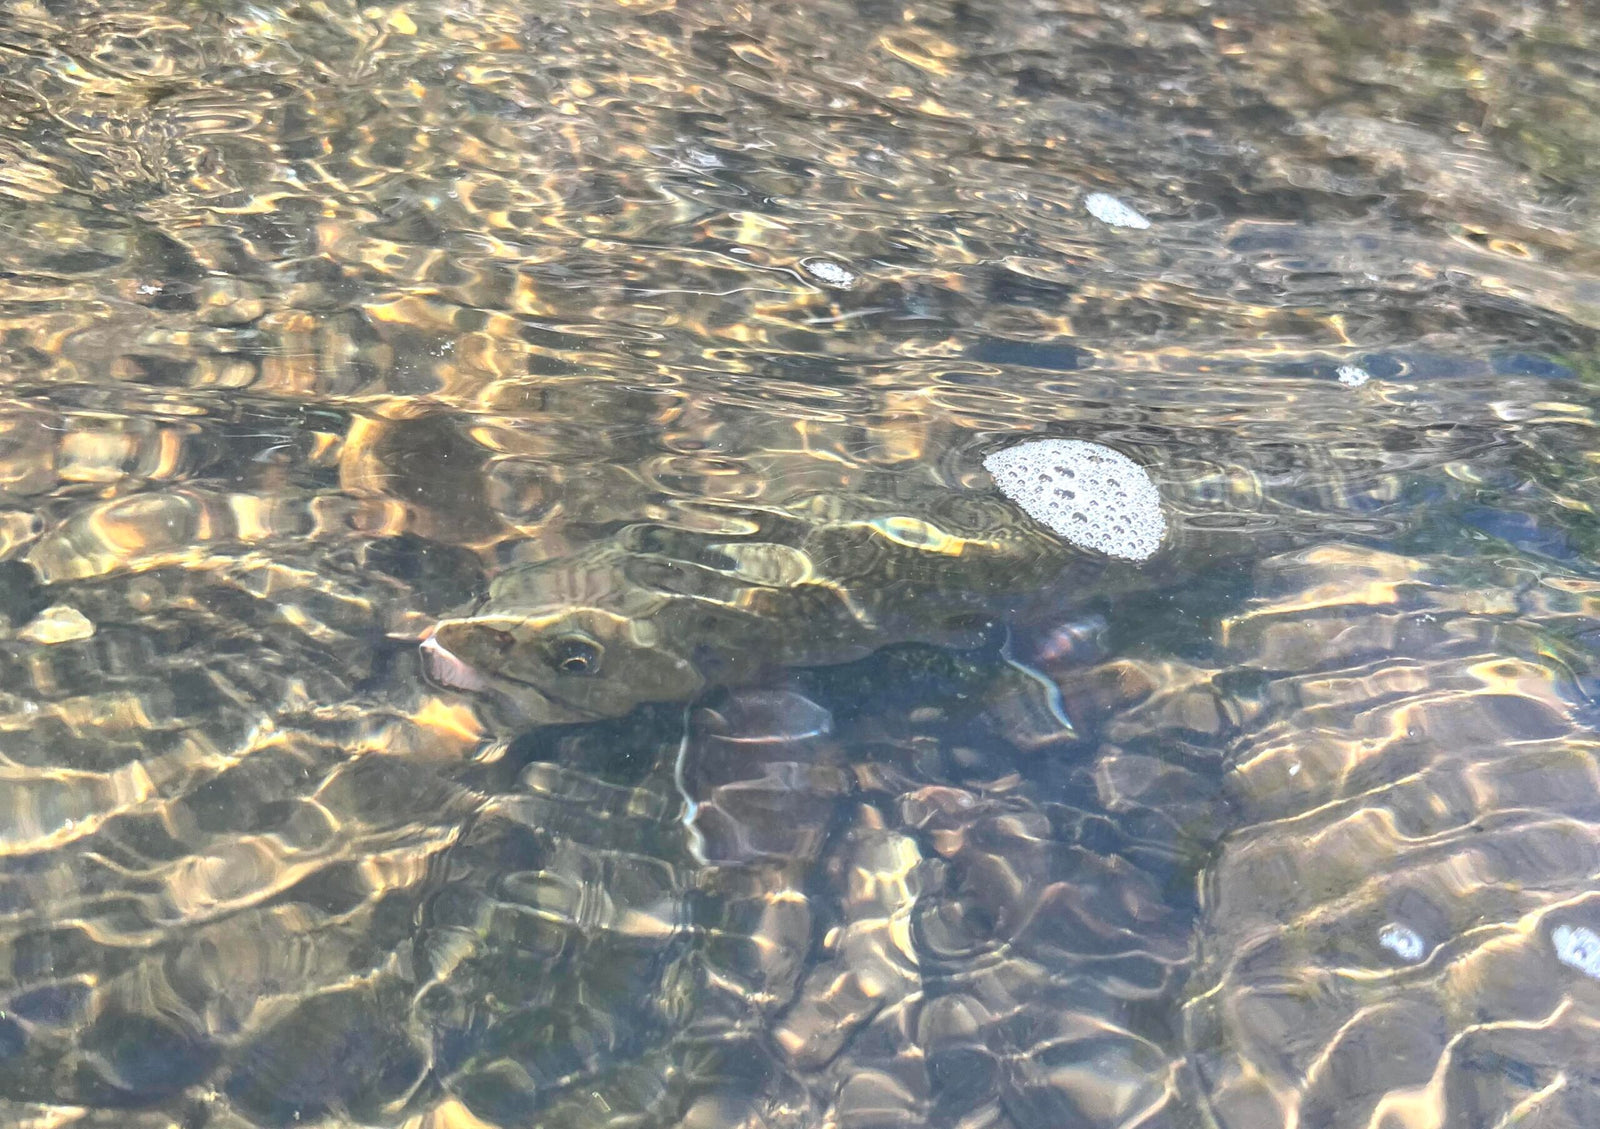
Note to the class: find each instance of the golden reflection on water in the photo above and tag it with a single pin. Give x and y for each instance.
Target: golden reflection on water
(316, 317)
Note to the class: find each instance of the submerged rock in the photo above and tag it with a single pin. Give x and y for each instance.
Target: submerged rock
(58, 624)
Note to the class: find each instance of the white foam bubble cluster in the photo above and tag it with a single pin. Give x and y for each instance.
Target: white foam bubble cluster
(1403, 941)
(1578, 946)
(1352, 376)
(1108, 209)
(830, 273)
(1093, 496)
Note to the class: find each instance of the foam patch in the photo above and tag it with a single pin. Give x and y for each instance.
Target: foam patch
(1094, 497)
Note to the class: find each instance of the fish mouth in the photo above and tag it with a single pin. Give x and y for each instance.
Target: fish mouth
(448, 670)
(516, 702)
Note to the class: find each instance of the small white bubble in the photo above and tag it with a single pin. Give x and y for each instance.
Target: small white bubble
(1352, 376)
(830, 273)
(1108, 209)
(1403, 941)
(1294, 769)
(1577, 946)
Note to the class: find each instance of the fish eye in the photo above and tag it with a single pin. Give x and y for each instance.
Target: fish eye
(575, 654)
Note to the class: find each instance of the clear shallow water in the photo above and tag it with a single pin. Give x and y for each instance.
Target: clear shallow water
(316, 318)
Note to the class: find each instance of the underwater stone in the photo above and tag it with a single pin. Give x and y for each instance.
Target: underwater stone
(1093, 496)
(57, 624)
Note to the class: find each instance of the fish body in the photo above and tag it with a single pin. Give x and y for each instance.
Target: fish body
(658, 613)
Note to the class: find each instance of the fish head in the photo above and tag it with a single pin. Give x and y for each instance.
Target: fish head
(558, 651)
